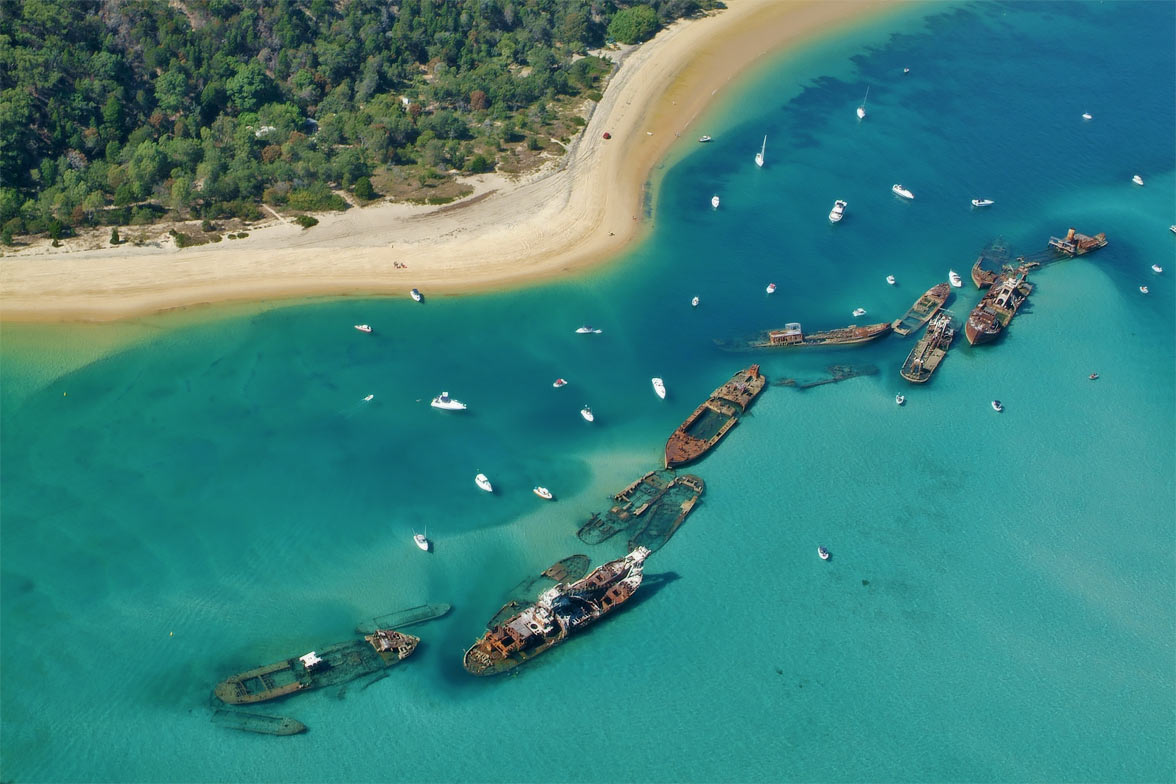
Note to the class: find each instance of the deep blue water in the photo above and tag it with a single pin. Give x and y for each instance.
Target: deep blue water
(184, 497)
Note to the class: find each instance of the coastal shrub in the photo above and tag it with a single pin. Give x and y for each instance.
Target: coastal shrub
(315, 198)
(633, 25)
(306, 221)
(480, 164)
(114, 240)
(363, 189)
(6, 236)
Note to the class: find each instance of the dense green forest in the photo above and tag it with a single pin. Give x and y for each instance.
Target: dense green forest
(116, 112)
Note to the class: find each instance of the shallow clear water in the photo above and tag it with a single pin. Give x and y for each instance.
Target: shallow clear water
(214, 494)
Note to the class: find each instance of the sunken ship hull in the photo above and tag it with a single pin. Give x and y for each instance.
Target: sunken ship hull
(921, 312)
(559, 613)
(998, 306)
(337, 664)
(712, 420)
(930, 351)
(792, 336)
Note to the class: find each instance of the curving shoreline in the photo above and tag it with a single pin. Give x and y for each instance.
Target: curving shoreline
(578, 212)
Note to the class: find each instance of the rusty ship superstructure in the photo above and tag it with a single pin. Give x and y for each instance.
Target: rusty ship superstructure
(997, 308)
(1075, 244)
(792, 336)
(558, 613)
(712, 420)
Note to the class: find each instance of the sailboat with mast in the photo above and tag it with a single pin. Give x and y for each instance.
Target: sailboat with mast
(861, 110)
(759, 156)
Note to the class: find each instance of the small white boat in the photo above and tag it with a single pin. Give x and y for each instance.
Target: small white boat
(1156, 268)
(996, 406)
(416, 295)
(900, 399)
(838, 211)
(560, 382)
(954, 277)
(715, 201)
(587, 414)
(585, 330)
(906, 70)
(823, 553)
(1137, 180)
(1143, 290)
(704, 139)
(861, 110)
(982, 202)
(446, 403)
(890, 279)
(363, 327)
(484, 483)
(542, 492)
(368, 398)
(421, 540)
(759, 156)
(1172, 228)
(694, 302)
(859, 312)
(659, 387)
(1087, 116)
(901, 191)
(771, 289)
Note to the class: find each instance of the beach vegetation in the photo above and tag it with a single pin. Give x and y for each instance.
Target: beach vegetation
(306, 221)
(140, 111)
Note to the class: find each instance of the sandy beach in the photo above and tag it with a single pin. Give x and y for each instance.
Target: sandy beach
(579, 210)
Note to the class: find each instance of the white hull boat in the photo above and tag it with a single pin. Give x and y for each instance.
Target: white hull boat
(858, 312)
(704, 139)
(1137, 180)
(771, 289)
(997, 406)
(759, 156)
(1143, 290)
(659, 388)
(1156, 268)
(542, 492)
(694, 302)
(899, 399)
(421, 541)
(823, 554)
(587, 331)
(715, 201)
(982, 202)
(368, 398)
(483, 483)
(861, 110)
(890, 279)
(446, 403)
(363, 327)
(416, 295)
(587, 414)
(838, 211)
(954, 278)
(559, 382)
(901, 191)
(1087, 116)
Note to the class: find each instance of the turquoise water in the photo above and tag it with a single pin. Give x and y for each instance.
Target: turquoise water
(213, 493)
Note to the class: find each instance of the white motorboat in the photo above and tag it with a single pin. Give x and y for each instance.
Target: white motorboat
(587, 414)
(659, 387)
(838, 211)
(715, 201)
(1156, 268)
(586, 330)
(446, 403)
(559, 382)
(694, 302)
(906, 70)
(823, 554)
(900, 399)
(771, 289)
(1172, 228)
(759, 156)
(954, 277)
(861, 110)
(542, 492)
(704, 139)
(363, 327)
(483, 483)
(858, 312)
(368, 398)
(1137, 180)
(1087, 116)
(997, 406)
(416, 295)
(421, 540)
(1143, 290)
(901, 191)
(890, 279)
(982, 202)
